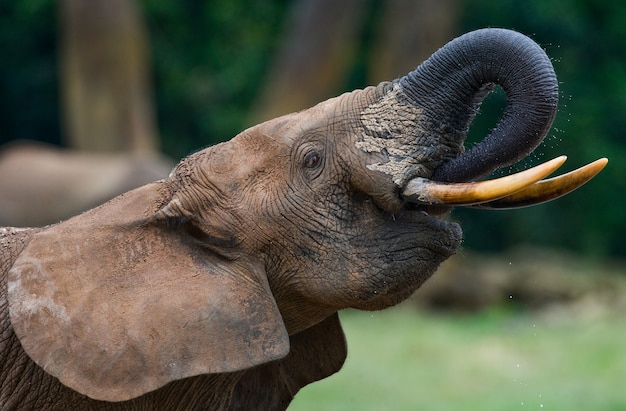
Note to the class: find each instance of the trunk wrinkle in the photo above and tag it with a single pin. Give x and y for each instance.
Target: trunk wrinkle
(395, 136)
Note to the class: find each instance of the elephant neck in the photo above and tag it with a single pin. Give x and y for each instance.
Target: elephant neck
(298, 312)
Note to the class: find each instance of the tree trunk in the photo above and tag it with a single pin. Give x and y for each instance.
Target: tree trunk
(408, 32)
(107, 103)
(315, 57)
(326, 37)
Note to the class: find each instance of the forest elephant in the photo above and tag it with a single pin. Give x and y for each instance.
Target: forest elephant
(219, 286)
(43, 184)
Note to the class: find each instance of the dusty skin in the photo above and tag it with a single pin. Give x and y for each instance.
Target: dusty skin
(218, 287)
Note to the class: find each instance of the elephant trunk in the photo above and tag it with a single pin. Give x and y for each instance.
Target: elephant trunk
(436, 103)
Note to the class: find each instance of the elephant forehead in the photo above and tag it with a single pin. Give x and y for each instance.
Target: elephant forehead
(221, 162)
(225, 171)
(292, 128)
(258, 145)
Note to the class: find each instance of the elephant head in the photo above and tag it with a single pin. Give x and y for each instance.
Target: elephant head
(251, 245)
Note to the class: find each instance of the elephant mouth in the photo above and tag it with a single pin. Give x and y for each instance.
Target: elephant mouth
(425, 200)
(523, 189)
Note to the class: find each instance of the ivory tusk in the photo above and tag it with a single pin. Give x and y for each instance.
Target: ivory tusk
(547, 190)
(421, 190)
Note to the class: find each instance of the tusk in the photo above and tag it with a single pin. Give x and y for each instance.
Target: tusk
(546, 190)
(421, 190)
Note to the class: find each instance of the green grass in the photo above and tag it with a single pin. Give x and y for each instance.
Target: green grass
(405, 359)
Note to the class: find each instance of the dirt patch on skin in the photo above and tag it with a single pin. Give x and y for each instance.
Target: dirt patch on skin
(530, 278)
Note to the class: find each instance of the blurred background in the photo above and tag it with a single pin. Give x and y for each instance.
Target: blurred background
(99, 96)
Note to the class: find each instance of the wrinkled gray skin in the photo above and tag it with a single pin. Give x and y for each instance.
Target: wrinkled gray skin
(218, 287)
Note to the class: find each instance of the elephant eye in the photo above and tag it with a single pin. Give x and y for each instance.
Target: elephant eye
(312, 159)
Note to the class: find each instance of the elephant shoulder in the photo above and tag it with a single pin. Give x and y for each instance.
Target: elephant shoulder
(14, 363)
(12, 242)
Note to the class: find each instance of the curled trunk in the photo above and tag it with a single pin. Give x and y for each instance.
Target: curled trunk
(436, 103)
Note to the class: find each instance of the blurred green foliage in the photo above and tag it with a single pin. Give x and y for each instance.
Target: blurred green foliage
(29, 89)
(403, 359)
(210, 57)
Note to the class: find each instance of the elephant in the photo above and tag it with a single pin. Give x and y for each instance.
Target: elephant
(43, 184)
(219, 286)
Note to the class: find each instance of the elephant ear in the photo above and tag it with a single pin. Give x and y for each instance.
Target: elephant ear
(116, 303)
